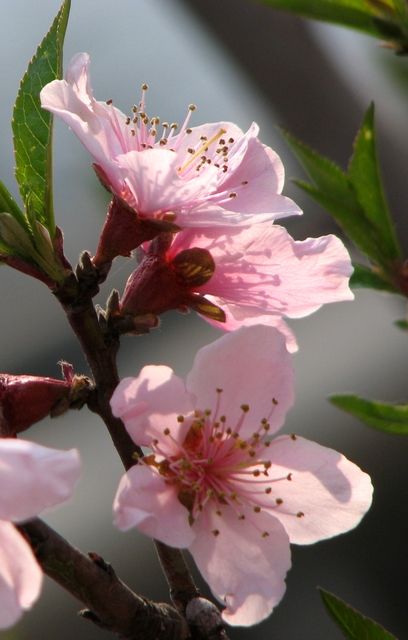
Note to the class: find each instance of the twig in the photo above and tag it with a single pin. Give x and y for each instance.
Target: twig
(111, 604)
(100, 348)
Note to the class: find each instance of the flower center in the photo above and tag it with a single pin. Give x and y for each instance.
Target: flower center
(139, 133)
(216, 463)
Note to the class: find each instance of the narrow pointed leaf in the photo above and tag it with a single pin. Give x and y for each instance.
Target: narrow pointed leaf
(364, 175)
(9, 205)
(376, 18)
(364, 277)
(349, 216)
(335, 192)
(32, 125)
(352, 624)
(380, 415)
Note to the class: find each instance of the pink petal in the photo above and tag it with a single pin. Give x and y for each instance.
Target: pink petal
(155, 178)
(90, 120)
(20, 575)
(237, 318)
(144, 500)
(262, 274)
(194, 140)
(150, 403)
(245, 570)
(255, 176)
(324, 271)
(34, 478)
(258, 181)
(331, 492)
(262, 269)
(252, 366)
(152, 178)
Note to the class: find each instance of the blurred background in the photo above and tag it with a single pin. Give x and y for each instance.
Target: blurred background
(241, 62)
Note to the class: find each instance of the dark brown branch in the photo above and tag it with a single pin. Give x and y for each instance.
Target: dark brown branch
(111, 604)
(100, 351)
(181, 584)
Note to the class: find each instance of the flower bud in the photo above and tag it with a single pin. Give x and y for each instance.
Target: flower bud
(162, 283)
(25, 400)
(37, 255)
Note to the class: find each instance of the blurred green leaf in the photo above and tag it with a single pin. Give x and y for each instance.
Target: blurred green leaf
(401, 10)
(378, 18)
(380, 415)
(352, 624)
(364, 175)
(364, 277)
(32, 125)
(401, 324)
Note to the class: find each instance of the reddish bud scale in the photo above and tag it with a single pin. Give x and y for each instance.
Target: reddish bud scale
(15, 262)
(25, 400)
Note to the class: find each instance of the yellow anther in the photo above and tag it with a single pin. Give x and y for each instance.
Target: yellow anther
(201, 149)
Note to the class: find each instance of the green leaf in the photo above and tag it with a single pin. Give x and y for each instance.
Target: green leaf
(8, 205)
(380, 415)
(356, 201)
(352, 624)
(364, 277)
(401, 10)
(401, 324)
(32, 125)
(376, 18)
(334, 191)
(365, 178)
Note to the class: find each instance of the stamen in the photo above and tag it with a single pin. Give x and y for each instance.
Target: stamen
(201, 149)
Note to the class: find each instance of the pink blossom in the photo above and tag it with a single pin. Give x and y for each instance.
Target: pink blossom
(33, 478)
(259, 274)
(213, 174)
(217, 485)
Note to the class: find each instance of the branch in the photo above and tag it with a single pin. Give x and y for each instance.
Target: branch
(100, 347)
(111, 604)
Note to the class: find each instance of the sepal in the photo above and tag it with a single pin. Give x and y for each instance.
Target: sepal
(124, 230)
(162, 282)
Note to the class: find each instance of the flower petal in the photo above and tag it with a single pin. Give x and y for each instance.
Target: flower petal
(152, 177)
(236, 317)
(208, 175)
(331, 492)
(150, 403)
(34, 478)
(245, 570)
(90, 120)
(144, 500)
(252, 366)
(20, 575)
(263, 270)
